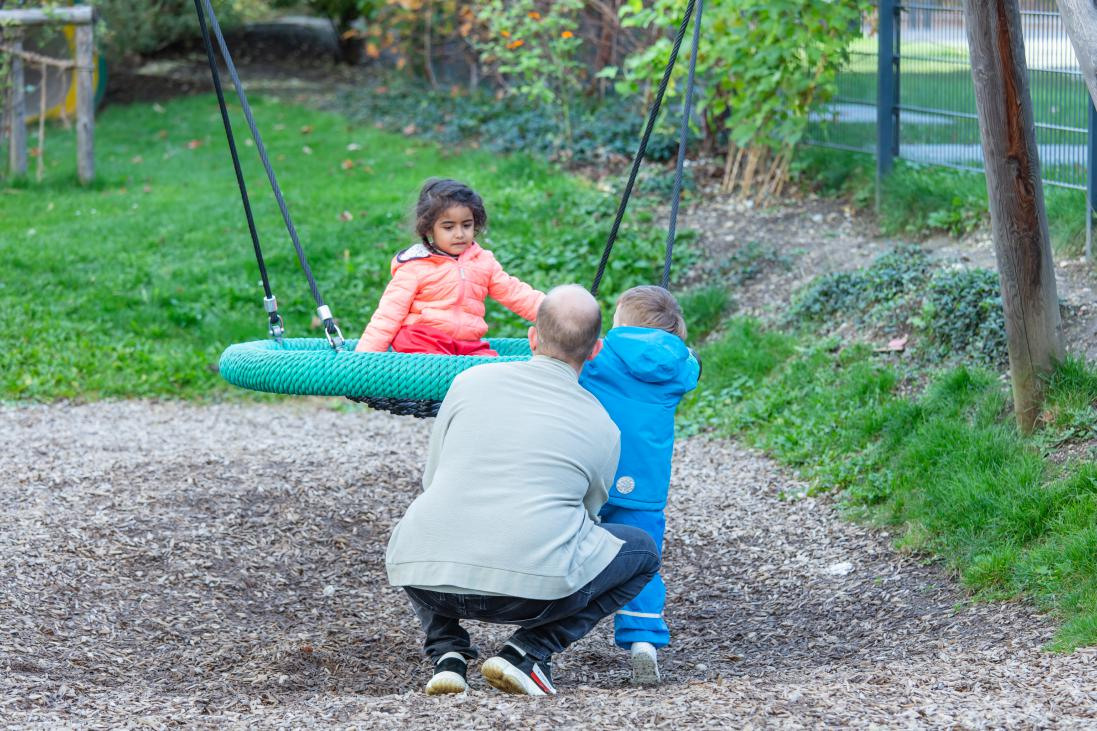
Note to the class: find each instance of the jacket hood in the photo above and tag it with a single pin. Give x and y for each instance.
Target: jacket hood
(650, 355)
(422, 251)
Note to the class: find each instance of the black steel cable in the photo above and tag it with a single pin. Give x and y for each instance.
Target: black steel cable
(329, 324)
(275, 319)
(652, 116)
(679, 168)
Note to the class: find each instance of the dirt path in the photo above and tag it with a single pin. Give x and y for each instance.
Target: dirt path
(222, 565)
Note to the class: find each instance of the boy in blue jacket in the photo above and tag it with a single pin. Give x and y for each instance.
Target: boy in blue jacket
(641, 374)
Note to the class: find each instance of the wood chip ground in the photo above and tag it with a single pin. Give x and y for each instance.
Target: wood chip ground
(168, 565)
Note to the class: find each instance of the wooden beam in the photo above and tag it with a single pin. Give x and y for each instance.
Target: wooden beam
(79, 15)
(17, 145)
(1080, 20)
(85, 104)
(1018, 218)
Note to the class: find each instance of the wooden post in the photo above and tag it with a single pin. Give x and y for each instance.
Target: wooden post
(17, 148)
(1018, 218)
(85, 104)
(1080, 20)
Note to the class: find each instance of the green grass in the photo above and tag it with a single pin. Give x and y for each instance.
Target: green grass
(134, 285)
(920, 200)
(947, 467)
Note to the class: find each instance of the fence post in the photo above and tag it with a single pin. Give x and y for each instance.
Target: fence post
(887, 92)
(17, 152)
(1091, 179)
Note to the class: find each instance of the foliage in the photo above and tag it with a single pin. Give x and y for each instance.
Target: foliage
(704, 309)
(958, 311)
(962, 313)
(893, 275)
(609, 129)
(143, 278)
(763, 67)
(537, 44)
(947, 467)
(134, 27)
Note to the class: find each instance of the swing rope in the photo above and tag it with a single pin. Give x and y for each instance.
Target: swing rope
(335, 337)
(404, 384)
(653, 115)
(679, 167)
(275, 325)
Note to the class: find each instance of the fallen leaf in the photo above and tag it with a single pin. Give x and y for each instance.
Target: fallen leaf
(899, 343)
(347, 164)
(307, 150)
(146, 188)
(307, 129)
(157, 108)
(162, 134)
(353, 146)
(410, 129)
(346, 216)
(194, 144)
(137, 159)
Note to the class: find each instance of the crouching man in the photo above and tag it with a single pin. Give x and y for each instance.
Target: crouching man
(520, 461)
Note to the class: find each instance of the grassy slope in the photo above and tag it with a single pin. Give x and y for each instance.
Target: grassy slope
(135, 285)
(947, 465)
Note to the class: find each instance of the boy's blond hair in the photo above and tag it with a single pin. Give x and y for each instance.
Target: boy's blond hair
(651, 306)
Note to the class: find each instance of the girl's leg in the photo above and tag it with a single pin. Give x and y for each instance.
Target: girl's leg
(641, 620)
(425, 339)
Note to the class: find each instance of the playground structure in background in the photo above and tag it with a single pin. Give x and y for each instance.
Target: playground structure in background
(60, 83)
(75, 75)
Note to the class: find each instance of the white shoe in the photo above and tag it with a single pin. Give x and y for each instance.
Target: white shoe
(645, 664)
(449, 675)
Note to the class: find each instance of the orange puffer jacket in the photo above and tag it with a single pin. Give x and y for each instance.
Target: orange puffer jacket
(429, 288)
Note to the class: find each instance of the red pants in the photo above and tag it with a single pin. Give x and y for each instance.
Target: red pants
(425, 339)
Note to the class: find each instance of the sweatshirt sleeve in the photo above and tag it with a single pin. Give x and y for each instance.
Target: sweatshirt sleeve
(598, 492)
(514, 294)
(391, 312)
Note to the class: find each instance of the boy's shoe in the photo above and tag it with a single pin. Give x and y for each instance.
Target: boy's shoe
(645, 664)
(449, 675)
(515, 671)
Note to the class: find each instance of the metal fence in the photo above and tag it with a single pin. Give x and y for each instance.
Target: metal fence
(913, 59)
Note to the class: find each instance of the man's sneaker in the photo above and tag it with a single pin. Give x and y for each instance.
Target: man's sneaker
(645, 664)
(515, 671)
(449, 675)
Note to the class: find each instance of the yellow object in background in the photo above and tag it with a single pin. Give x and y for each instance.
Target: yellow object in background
(60, 83)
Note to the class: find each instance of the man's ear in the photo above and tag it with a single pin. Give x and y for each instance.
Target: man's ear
(597, 349)
(532, 335)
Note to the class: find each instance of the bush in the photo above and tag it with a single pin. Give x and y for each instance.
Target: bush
(962, 313)
(138, 27)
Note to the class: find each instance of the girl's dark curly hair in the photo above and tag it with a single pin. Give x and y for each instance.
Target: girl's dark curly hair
(439, 194)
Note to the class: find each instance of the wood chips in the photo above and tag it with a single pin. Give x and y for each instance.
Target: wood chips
(221, 566)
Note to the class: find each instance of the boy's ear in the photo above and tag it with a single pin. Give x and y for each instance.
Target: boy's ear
(597, 349)
(531, 334)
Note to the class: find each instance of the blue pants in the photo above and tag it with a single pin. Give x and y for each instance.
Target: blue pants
(546, 626)
(641, 620)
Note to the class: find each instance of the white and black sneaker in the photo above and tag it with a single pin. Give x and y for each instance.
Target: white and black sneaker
(645, 664)
(449, 675)
(515, 671)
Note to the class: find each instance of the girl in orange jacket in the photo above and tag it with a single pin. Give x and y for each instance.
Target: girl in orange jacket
(434, 302)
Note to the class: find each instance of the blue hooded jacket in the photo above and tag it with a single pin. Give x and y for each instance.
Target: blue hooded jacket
(639, 377)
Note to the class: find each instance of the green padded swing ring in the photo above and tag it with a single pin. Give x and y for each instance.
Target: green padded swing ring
(310, 367)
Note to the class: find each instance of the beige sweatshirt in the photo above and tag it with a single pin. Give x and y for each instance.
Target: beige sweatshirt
(521, 459)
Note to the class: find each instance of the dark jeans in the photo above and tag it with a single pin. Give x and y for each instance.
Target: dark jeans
(546, 626)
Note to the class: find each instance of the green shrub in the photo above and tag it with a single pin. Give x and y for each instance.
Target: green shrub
(962, 314)
(857, 294)
(137, 27)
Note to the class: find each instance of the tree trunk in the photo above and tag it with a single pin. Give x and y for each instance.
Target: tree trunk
(1015, 190)
(1080, 20)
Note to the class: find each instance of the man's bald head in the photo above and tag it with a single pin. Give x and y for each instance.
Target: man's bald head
(569, 323)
